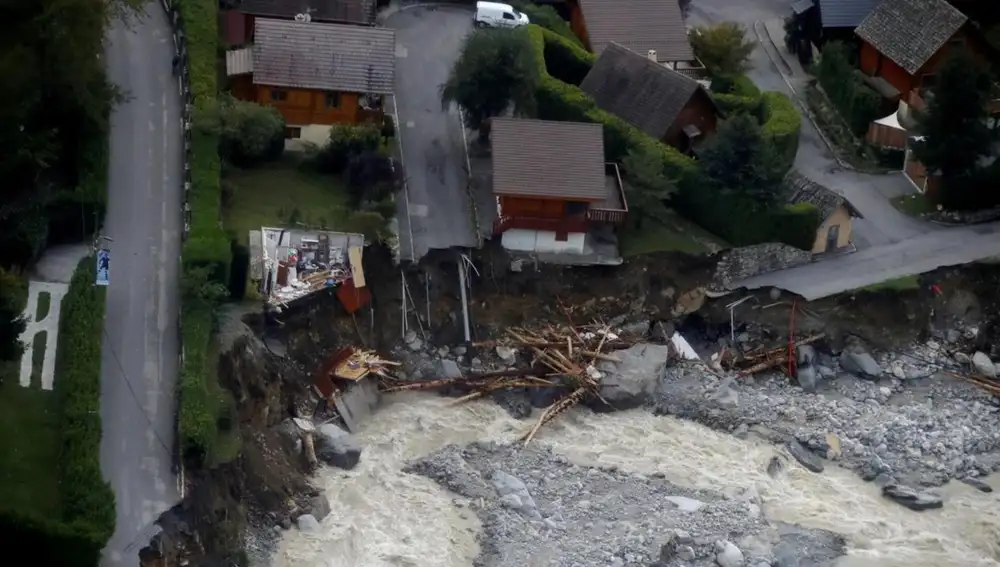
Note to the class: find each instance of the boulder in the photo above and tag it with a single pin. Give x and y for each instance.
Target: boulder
(506, 354)
(806, 355)
(319, 507)
(807, 378)
(977, 484)
(805, 457)
(861, 364)
(307, 523)
(514, 494)
(630, 382)
(910, 498)
(685, 504)
(336, 447)
(727, 554)
(725, 395)
(775, 466)
(983, 365)
(962, 358)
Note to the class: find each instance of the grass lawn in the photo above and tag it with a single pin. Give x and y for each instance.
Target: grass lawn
(282, 193)
(905, 283)
(675, 234)
(44, 304)
(29, 446)
(913, 205)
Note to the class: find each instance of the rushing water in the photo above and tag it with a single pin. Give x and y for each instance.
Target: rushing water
(382, 518)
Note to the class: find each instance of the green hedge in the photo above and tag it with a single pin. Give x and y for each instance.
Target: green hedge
(565, 60)
(207, 244)
(87, 500)
(739, 222)
(87, 518)
(547, 18)
(782, 126)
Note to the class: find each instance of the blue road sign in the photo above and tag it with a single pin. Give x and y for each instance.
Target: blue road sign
(103, 267)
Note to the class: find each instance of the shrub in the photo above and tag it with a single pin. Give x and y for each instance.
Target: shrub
(548, 19)
(857, 104)
(368, 223)
(249, 133)
(369, 177)
(733, 105)
(724, 48)
(564, 60)
(88, 503)
(347, 141)
(782, 126)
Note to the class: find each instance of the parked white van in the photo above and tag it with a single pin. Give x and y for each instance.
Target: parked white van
(496, 15)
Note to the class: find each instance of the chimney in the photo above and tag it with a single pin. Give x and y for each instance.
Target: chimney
(651, 54)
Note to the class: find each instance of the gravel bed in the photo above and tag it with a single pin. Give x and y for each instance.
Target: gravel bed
(539, 509)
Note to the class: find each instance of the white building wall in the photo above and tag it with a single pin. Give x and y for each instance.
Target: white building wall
(544, 241)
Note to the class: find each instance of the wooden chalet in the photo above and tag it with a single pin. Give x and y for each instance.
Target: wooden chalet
(663, 103)
(316, 74)
(551, 178)
(238, 21)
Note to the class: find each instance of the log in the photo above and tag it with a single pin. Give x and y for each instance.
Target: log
(309, 449)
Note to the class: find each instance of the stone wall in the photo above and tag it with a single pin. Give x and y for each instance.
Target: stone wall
(963, 217)
(741, 263)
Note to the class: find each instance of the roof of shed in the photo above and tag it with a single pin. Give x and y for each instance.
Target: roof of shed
(642, 92)
(548, 159)
(639, 25)
(804, 190)
(845, 13)
(353, 11)
(910, 32)
(337, 57)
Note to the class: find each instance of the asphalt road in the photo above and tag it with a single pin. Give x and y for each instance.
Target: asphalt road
(942, 248)
(139, 359)
(435, 210)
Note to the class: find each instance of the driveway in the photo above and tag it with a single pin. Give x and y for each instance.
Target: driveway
(882, 223)
(435, 211)
(139, 358)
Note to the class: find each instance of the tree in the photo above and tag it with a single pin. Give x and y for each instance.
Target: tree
(738, 160)
(494, 71)
(723, 48)
(249, 132)
(646, 186)
(12, 322)
(954, 125)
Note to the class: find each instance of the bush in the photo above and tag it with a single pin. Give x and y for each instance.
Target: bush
(368, 223)
(547, 18)
(347, 141)
(249, 133)
(857, 104)
(734, 105)
(782, 126)
(738, 85)
(566, 61)
(88, 502)
(369, 177)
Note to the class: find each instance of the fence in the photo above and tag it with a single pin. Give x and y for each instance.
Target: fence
(180, 68)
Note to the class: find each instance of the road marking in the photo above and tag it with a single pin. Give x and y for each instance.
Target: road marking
(410, 124)
(401, 51)
(418, 211)
(49, 324)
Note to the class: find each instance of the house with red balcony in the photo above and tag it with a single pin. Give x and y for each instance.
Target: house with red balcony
(555, 194)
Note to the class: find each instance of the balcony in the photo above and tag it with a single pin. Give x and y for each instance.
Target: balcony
(614, 208)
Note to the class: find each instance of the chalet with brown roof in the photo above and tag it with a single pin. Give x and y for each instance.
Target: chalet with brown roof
(316, 74)
(836, 213)
(652, 28)
(552, 185)
(905, 42)
(663, 103)
(238, 22)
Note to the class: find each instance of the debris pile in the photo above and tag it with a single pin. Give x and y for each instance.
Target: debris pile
(559, 357)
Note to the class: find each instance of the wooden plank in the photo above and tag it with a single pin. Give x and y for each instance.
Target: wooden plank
(357, 270)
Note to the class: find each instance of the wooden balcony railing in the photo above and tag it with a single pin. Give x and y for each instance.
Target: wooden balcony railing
(564, 225)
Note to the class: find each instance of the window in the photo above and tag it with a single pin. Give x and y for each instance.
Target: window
(508, 16)
(333, 99)
(279, 95)
(292, 133)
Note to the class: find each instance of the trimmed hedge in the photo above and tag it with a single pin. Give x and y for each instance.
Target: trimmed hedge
(736, 220)
(87, 500)
(782, 126)
(87, 519)
(547, 18)
(207, 244)
(566, 61)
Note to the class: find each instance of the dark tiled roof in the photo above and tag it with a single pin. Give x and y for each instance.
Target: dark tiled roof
(548, 159)
(910, 32)
(642, 92)
(335, 57)
(350, 11)
(804, 190)
(639, 25)
(845, 13)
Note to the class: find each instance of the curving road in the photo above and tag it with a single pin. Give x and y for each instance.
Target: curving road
(139, 358)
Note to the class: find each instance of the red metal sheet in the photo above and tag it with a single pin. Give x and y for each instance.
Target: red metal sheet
(351, 297)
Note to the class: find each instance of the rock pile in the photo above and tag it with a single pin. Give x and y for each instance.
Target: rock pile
(538, 508)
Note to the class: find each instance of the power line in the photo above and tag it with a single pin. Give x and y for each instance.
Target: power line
(131, 390)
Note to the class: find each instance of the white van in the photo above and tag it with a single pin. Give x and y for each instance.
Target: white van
(495, 15)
